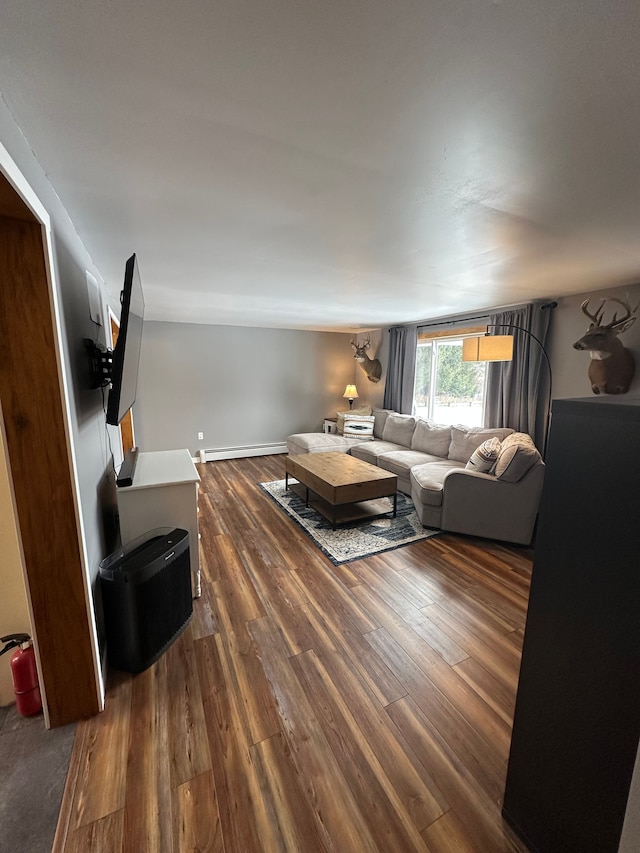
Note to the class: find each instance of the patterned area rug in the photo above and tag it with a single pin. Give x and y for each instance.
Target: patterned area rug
(356, 539)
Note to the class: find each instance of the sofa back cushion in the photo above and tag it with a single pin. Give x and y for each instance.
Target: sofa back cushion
(464, 440)
(431, 438)
(381, 419)
(361, 410)
(517, 454)
(399, 429)
(359, 426)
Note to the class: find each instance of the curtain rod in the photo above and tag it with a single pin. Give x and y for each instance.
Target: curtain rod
(453, 322)
(543, 307)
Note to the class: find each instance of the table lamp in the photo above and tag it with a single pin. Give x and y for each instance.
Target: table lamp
(350, 393)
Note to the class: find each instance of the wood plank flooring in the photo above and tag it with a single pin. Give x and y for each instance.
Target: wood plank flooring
(309, 707)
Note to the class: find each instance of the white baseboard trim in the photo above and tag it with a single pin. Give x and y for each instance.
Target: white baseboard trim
(213, 454)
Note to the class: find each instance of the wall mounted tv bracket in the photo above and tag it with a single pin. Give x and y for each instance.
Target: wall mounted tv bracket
(101, 364)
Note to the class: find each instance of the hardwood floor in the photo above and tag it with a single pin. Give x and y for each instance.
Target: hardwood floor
(311, 707)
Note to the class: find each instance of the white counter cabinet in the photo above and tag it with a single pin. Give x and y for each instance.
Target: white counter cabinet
(164, 493)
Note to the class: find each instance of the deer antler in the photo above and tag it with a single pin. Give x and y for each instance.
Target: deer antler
(597, 317)
(627, 307)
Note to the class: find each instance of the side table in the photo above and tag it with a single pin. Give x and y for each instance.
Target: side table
(164, 493)
(330, 425)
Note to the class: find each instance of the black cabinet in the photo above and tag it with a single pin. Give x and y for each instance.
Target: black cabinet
(577, 717)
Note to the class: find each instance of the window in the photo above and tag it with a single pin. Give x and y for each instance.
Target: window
(448, 390)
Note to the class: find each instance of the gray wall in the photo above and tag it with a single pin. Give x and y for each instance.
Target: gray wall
(240, 386)
(569, 323)
(245, 386)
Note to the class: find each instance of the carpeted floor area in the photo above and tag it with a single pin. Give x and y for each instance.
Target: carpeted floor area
(33, 770)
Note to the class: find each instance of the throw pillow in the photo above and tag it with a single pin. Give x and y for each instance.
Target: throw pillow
(484, 457)
(398, 429)
(464, 440)
(361, 410)
(431, 438)
(381, 416)
(517, 454)
(359, 426)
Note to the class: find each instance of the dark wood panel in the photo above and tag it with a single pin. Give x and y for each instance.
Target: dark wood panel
(577, 717)
(344, 709)
(148, 821)
(188, 752)
(195, 827)
(102, 773)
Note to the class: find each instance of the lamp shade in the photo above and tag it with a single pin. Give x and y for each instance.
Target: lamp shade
(488, 348)
(350, 392)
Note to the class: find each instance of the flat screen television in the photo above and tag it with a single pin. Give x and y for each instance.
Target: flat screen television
(126, 353)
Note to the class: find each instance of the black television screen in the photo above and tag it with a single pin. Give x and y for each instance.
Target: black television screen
(126, 353)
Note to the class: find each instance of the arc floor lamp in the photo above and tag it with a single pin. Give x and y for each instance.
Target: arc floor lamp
(490, 347)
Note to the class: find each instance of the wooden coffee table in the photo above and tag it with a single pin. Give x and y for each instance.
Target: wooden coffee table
(341, 487)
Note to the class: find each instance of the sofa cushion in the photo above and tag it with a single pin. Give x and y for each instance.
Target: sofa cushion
(318, 442)
(361, 410)
(517, 454)
(400, 462)
(464, 440)
(399, 429)
(381, 419)
(484, 457)
(369, 451)
(431, 438)
(358, 426)
(429, 480)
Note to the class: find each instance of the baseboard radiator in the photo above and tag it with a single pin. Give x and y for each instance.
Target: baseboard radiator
(215, 453)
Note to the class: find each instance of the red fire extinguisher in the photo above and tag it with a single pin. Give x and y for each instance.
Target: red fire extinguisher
(24, 673)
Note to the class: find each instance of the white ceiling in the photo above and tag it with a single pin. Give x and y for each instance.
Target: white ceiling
(337, 163)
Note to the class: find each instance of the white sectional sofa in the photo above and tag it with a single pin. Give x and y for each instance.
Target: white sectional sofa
(440, 467)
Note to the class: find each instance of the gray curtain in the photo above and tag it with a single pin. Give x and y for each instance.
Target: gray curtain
(518, 390)
(401, 372)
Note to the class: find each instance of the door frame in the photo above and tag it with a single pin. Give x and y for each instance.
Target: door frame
(59, 595)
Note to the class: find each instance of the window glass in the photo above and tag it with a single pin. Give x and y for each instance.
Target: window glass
(448, 390)
(422, 388)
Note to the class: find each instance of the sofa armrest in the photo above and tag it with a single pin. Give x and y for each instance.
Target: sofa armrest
(481, 505)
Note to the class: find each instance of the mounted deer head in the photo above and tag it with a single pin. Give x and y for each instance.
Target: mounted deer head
(612, 366)
(371, 366)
